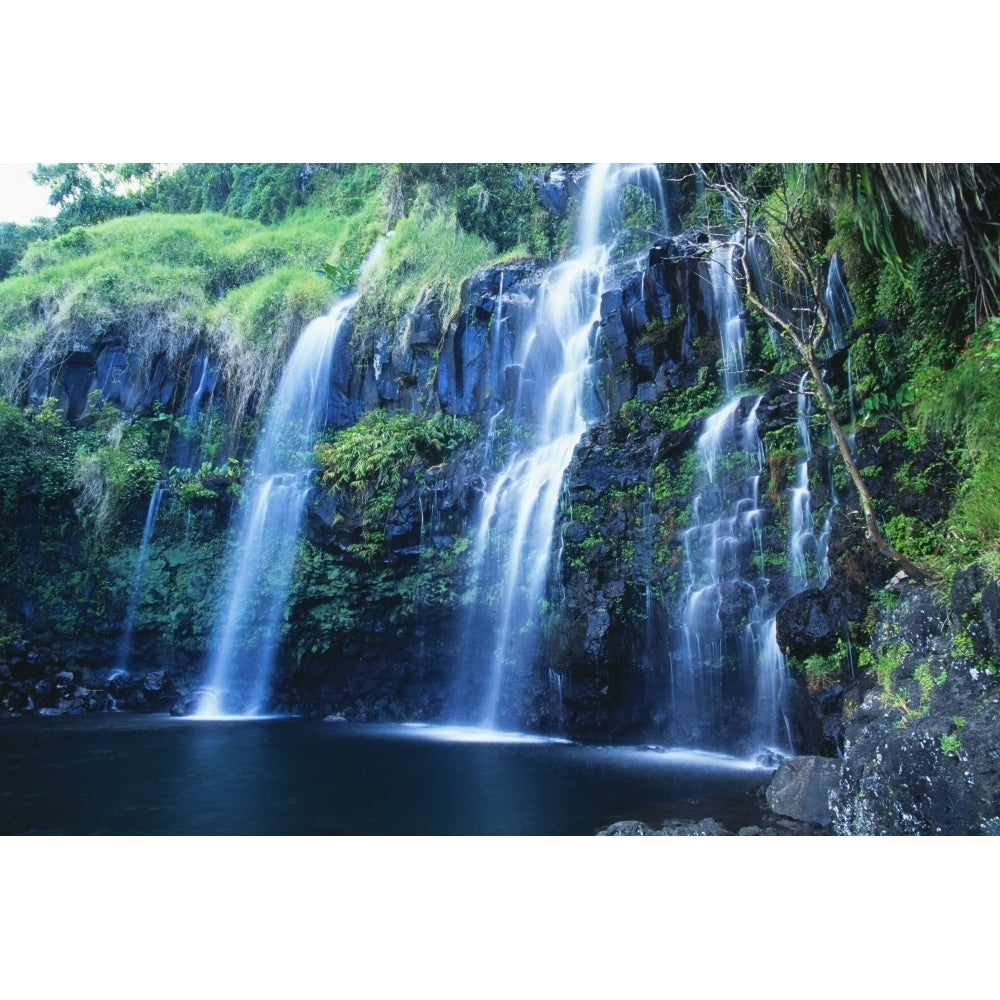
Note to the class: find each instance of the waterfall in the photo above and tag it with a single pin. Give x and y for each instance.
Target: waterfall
(719, 658)
(521, 503)
(838, 302)
(609, 216)
(807, 556)
(197, 410)
(729, 314)
(246, 636)
(726, 671)
(125, 645)
(555, 398)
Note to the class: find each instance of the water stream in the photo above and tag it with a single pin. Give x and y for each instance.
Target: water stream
(256, 587)
(726, 670)
(125, 644)
(555, 400)
(807, 549)
(199, 412)
(838, 302)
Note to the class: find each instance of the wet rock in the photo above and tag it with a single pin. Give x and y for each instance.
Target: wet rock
(687, 828)
(989, 616)
(920, 752)
(629, 828)
(801, 789)
(966, 587)
(154, 681)
(812, 622)
(475, 350)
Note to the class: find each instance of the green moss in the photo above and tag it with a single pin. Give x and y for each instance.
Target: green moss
(428, 255)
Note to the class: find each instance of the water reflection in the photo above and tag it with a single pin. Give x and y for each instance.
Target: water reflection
(156, 775)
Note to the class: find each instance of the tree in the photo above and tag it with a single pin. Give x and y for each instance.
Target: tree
(14, 240)
(786, 220)
(86, 193)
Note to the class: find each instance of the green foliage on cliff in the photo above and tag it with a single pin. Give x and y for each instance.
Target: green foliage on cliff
(960, 409)
(42, 566)
(244, 255)
(494, 201)
(158, 281)
(88, 193)
(427, 255)
(15, 240)
(372, 459)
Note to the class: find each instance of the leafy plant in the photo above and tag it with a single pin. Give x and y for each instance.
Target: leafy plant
(951, 745)
(823, 670)
(371, 459)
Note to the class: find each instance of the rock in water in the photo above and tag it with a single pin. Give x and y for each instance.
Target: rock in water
(801, 787)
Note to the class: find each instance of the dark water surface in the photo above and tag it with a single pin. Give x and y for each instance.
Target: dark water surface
(134, 774)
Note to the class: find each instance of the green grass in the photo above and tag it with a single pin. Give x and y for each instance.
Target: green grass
(428, 254)
(164, 279)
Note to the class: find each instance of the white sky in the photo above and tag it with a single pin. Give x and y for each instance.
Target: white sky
(21, 199)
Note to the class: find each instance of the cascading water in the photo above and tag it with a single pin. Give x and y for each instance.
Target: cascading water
(555, 398)
(198, 412)
(256, 589)
(514, 540)
(729, 313)
(726, 670)
(807, 551)
(125, 645)
(838, 302)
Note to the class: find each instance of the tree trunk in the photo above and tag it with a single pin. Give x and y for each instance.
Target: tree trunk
(874, 533)
(875, 536)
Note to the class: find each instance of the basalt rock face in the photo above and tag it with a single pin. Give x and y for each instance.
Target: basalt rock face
(921, 754)
(395, 657)
(125, 377)
(377, 640)
(606, 568)
(656, 329)
(477, 373)
(628, 501)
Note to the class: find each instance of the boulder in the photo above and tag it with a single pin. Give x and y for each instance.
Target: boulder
(801, 789)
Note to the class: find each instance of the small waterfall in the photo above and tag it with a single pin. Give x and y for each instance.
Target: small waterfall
(198, 411)
(247, 633)
(125, 645)
(605, 218)
(521, 504)
(554, 397)
(838, 302)
(724, 654)
(717, 435)
(771, 728)
(807, 555)
(729, 313)
(497, 344)
(716, 661)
